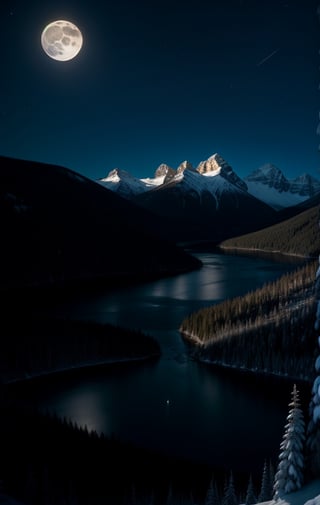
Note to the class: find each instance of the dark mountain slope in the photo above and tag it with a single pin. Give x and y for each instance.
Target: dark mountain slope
(207, 208)
(58, 227)
(298, 235)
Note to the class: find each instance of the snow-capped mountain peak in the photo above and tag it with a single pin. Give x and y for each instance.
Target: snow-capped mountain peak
(216, 165)
(123, 183)
(305, 185)
(213, 165)
(270, 185)
(116, 175)
(185, 165)
(165, 171)
(269, 175)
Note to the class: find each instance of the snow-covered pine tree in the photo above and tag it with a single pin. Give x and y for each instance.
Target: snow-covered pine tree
(289, 476)
(212, 496)
(250, 496)
(313, 430)
(230, 495)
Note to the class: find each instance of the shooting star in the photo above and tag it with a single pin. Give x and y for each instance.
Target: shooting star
(267, 57)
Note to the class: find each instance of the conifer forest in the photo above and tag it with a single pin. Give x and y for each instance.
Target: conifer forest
(270, 330)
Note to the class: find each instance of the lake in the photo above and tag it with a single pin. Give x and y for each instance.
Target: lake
(174, 404)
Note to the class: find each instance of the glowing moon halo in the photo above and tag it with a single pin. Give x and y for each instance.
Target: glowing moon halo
(61, 40)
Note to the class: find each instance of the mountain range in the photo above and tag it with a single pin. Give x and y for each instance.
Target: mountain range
(267, 183)
(61, 228)
(211, 202)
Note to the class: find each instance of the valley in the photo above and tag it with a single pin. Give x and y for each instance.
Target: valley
(97, 278)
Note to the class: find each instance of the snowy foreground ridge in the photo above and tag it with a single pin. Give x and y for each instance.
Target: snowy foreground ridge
(308, 495)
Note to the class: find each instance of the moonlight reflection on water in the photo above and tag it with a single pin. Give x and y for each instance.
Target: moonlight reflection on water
(211, 416)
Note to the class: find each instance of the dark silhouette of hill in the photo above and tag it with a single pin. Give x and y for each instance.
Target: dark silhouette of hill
(298, 235)
(60, 228)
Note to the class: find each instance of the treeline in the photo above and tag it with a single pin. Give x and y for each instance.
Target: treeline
(298, 235)
(269, 330)
(49, 461)
(33, 346)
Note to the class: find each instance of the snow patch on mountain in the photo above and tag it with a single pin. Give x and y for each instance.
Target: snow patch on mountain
(152, 182)
(273, 197)
(126, 185)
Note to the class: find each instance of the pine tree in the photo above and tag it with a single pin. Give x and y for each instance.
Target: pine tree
(313, 430)
(212, 496)
(289, 476)
(250, 497)
(266, 484)
(230, 495)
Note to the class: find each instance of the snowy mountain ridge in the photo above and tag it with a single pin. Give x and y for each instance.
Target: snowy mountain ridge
(268, 184)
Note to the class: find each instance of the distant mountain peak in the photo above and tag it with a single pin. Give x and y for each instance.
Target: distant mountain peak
(305, 185)
(165, 171)
(217, 165)
(185, 165)
(270, 185)
(116, 175)
(271, 176)
(123, 183)
(213, 164)
(162, 170)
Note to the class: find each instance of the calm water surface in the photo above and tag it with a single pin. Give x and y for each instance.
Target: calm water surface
(175, 404)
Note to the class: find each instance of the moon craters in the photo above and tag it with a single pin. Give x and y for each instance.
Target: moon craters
(61, 40)
(67, 30)
(53, 33)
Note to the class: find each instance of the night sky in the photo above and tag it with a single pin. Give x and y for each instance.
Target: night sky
(163, 81)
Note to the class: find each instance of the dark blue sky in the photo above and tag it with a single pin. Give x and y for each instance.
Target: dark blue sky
(163, 81)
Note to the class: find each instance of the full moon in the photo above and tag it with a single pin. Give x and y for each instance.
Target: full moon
(61, 40)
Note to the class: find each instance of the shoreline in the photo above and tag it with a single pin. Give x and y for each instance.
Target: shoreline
(73, 369)
(264, 251)
(263, 374)
(195, 342)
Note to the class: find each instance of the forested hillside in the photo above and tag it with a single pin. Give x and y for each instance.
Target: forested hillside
(38, 346)
(270, 330)
(298, 235)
